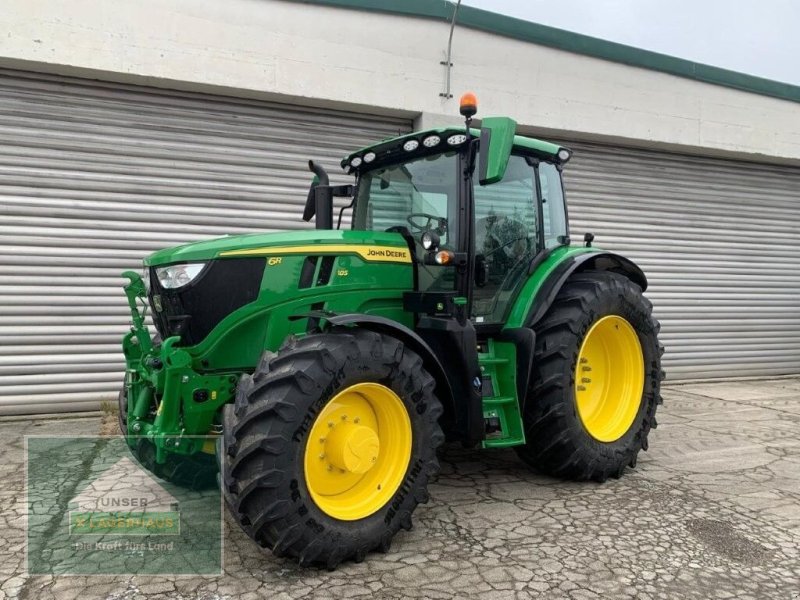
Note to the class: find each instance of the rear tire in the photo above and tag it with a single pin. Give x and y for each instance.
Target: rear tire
(274, 435)
(563, 439)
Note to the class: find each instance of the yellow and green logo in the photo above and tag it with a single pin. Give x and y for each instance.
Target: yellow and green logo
(124, 523)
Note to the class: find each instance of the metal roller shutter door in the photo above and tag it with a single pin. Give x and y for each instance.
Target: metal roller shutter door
(718, 240)
(95, 176)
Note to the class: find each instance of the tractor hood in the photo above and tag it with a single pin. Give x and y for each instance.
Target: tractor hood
(371, 245)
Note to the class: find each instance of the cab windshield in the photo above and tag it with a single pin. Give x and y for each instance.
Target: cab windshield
(416, 195)
(512, 223)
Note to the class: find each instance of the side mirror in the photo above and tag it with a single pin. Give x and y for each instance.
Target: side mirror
(497, 139)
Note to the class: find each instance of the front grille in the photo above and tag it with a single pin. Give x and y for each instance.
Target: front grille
(193, 310)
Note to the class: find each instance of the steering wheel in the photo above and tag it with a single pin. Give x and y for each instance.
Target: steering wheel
(414, 219)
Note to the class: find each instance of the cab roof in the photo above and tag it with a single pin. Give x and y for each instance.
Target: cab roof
(390, 149)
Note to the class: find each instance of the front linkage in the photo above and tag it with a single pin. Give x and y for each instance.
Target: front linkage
(168, 403)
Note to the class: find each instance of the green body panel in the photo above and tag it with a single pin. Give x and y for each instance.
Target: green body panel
(356, 285)
(528, 143)
(214, 248)
(240, 338)
(527, 296)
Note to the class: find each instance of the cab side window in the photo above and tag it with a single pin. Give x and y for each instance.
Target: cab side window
(505, 237)
(553, 206)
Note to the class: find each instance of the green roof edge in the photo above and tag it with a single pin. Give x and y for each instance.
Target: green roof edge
(511, 27)
(520, 141)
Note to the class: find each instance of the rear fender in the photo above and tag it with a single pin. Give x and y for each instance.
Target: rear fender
(598, 261)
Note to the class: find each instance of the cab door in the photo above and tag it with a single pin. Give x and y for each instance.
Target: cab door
(506, 238)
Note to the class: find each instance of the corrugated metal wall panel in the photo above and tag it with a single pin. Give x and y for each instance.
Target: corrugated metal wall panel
(95, 176)
(718, 240)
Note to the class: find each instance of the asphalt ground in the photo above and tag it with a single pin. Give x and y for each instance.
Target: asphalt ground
(711, 511)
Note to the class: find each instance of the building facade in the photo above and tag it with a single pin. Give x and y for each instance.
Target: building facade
(127, 127)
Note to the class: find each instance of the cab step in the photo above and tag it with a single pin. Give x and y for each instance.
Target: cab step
(501, 414)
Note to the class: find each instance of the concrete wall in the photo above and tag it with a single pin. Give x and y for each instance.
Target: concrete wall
(388, 64)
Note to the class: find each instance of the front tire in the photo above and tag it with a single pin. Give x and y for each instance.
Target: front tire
(330, 444)
(596, 380)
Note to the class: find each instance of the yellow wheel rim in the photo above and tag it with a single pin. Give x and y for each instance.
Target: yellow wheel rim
(609, 378)
(358, 451)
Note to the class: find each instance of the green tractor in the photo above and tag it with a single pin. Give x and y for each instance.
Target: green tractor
(315, 373)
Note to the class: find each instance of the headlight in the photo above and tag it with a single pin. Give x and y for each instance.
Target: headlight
(175, 276)
(430, 241)
(146, 278)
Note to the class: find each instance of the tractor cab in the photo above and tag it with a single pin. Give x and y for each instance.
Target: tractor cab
(478, 209)
(476, 206)
(426, 195)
